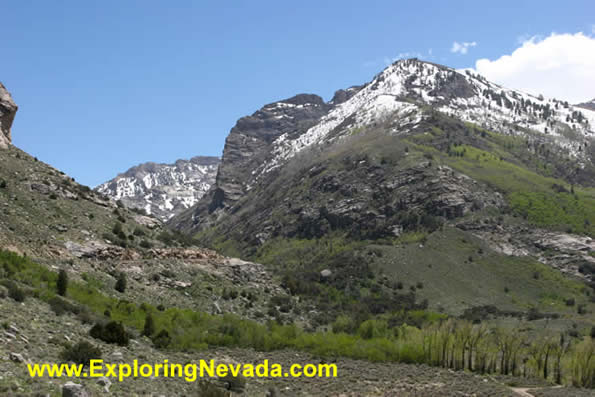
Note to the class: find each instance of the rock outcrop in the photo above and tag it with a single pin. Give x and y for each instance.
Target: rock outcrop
(8, 109)
(250, 142)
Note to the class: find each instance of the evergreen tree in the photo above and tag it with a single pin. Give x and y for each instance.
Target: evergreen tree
(121, 283)
(149, 328)
(62, 283)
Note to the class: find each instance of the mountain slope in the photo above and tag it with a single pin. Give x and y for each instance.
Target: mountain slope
(163, 190)
(587, 105)
(403, 93)
(422, 156)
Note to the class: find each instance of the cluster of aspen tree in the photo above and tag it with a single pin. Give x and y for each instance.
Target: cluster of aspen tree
(518, 351)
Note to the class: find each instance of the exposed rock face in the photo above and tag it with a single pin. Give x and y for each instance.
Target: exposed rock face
(250, 142)
(163, 190)
(8, 109)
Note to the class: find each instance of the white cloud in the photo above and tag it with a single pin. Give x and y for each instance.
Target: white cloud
(462, 48)
(560, 66)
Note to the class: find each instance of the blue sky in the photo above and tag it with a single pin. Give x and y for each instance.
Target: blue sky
(103, 86)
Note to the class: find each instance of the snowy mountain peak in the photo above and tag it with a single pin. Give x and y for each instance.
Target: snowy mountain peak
(163, 189)
(403, 89)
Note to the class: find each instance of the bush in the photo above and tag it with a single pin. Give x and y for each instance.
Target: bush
(62, 283)
(14, 291)
(146, 244)
(235, 384)
(81, 353)
(121, 282)
(570, 302)
(60, 306)
(2, 184)
(345, 324)
(111, 332)
(162, 340)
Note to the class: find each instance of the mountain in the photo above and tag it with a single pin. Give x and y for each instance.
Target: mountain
(427, 217)
(587, 105)
(8, 110)
(409, 94)
(424, 175)
(163, 190)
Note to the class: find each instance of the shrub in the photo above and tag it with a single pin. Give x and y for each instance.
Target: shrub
(235, 384)
(138, 232)
(570, 302)
(81, 353)
(62, 283)
(60, 306)
(14, 291)
(2, 184)
(146, 244)
(121, 282)
(344, 323)
(111, 332)
(162, 340)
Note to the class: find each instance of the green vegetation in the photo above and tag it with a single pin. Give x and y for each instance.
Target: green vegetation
(541, 200)
(62, 283)
(112, 332)
(121, 282)
(81, 353)
(149, 327)
(456, 344)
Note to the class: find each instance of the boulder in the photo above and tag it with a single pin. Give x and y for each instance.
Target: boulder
(16, 357)
(105, 382)
(71, 389)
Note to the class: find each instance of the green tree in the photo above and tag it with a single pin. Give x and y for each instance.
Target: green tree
(149, 328)
(121, 282)
(62, 283)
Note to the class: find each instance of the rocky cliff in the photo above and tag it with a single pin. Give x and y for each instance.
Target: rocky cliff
(8, 109)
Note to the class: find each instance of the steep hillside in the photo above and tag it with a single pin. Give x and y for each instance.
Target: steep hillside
(403, 93)
(421, 161)
(163, 190)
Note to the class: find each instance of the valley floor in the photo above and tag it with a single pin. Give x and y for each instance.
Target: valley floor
(32, 330)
